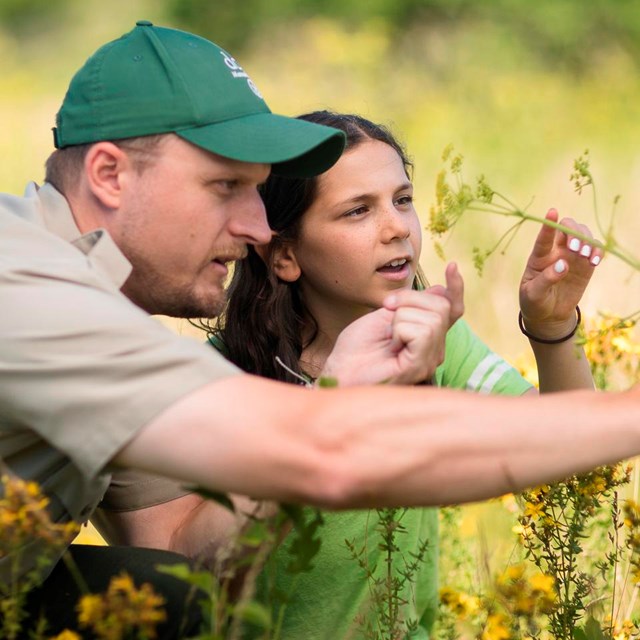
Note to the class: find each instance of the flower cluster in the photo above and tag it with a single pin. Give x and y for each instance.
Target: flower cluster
(454, 197)
(523, 596)
(461, 604)
(613, 351)
(67, 635)
(625, 630)
(631, 510)
(454, 200)
(581, 176)
(515, 609)
(557, 524)
(122, 610)
(24, 517)
(450, 203)
(496, 628)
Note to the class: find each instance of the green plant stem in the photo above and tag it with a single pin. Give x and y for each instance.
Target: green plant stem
(609, 246)
(616, 543)
(390, 591)
(280, 621)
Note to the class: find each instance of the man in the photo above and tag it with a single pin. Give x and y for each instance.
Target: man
(162, 143)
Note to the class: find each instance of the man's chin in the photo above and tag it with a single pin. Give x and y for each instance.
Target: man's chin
(192, 308)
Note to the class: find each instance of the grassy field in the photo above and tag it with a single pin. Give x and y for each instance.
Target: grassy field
(515, 120)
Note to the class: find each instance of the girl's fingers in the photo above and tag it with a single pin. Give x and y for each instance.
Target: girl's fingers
(455, 291)
(580, 246)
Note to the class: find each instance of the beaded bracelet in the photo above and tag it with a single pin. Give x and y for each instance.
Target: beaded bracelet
(545, 340)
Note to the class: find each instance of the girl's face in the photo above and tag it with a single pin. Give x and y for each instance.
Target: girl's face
(361, 238)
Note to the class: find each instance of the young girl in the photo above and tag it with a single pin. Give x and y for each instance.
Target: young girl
(344, 242)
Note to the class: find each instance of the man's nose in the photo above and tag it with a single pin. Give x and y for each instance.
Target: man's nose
(252, 223)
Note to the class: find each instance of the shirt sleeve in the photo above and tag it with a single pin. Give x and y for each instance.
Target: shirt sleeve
(81, 366)
(470, 364)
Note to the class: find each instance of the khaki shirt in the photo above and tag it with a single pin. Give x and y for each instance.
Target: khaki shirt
(82, 369)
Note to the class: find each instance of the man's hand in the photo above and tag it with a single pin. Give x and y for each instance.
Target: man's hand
(401, 343)
(557, 274)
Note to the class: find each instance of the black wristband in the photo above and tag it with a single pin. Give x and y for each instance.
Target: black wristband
(545, 340)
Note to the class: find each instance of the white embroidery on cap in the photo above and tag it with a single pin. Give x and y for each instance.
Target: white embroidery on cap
(238, 72)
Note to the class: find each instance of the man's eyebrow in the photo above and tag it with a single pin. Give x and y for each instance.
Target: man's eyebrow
(207, 181)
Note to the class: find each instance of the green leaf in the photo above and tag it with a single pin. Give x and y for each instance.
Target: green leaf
(295, 513)
(254, 613)
(215, 496)
(202, 579)
(591, 631)
(327, 382)
(305, 543)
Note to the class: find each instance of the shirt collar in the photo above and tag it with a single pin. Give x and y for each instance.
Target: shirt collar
(102, 252)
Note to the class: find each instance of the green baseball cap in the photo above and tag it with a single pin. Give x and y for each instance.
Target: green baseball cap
(157, 80)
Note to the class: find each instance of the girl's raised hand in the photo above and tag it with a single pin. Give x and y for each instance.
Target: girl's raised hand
(401, 343)
(555, 277)
(420, 324)
(454, 291)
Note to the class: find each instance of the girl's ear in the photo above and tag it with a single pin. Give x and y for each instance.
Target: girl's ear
(281, 258)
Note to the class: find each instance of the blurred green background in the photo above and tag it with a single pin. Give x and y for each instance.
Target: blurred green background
(520, 88)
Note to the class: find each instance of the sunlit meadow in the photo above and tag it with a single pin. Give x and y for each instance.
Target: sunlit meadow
(517, 121)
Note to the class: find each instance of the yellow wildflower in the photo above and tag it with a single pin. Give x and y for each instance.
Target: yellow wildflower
(496, 628)
(632, 513)
(513, 573)
(67, 635)
(123, 582)
(122, 609)
(534, 510)
(524, 530)
(622, 343)
(523, 604)
(90, 609)
(461, 604)
(24, 516)
(542, 583)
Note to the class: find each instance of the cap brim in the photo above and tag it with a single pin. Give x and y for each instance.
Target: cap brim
(294, 148)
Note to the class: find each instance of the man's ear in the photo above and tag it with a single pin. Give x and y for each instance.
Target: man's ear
(105, 165)
(281, 257)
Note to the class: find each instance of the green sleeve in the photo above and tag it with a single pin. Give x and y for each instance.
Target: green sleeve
(470, 364)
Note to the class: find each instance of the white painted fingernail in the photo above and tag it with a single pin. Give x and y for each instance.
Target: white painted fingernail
(585, 251)
(595, 261)
(574, 244)
(559, 266)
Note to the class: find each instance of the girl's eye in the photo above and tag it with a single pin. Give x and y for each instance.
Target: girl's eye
(404, 200)
(355, 212)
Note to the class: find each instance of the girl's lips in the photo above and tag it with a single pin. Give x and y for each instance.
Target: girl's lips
(395, 274)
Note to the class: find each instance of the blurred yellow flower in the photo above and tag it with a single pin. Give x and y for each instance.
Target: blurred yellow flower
(24, 516)
(121, 610)
(90, 609)
(458, 602)
(67, 635)
(513, 573)
(542, 583)
(496, 628)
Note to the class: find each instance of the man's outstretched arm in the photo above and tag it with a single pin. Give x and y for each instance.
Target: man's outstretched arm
(382, 446)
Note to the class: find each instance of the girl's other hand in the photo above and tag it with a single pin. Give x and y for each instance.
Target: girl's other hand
(556, 275)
